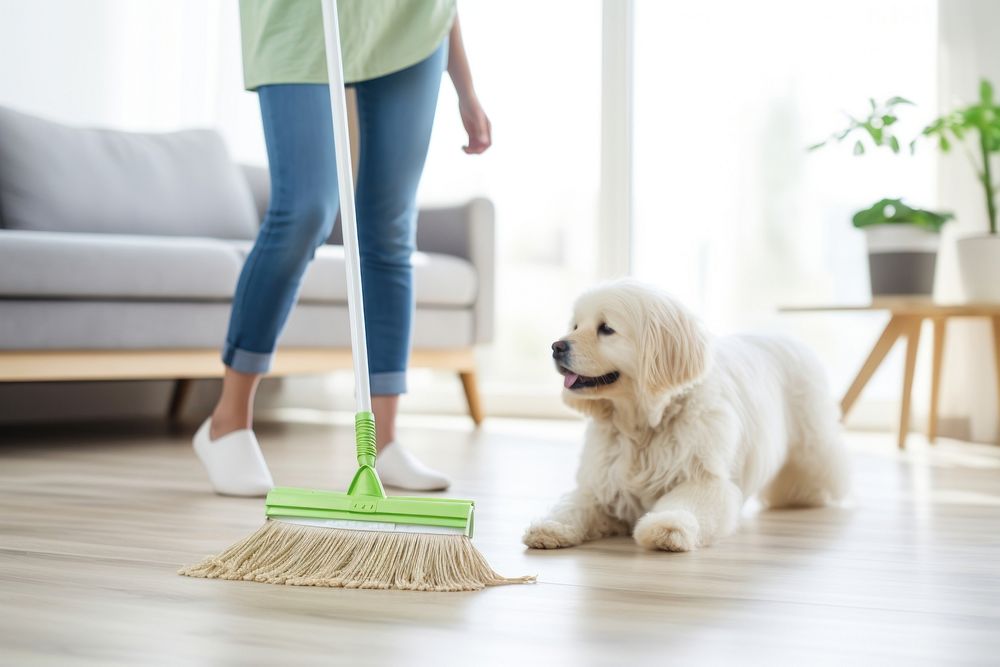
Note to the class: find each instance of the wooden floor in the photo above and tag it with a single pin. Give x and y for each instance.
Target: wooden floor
(95, 521)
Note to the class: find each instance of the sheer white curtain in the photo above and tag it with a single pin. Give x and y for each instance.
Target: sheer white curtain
(731, 213)
(537, 68)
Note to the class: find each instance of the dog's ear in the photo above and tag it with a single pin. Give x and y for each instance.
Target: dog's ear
(673, 354)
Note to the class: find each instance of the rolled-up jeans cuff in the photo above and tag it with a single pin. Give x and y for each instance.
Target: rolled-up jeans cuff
(388, 384)
(245, 361)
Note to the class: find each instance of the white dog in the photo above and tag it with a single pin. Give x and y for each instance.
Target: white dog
(684, 428)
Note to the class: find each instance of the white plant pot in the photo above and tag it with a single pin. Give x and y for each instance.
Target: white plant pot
(979, 264)
(901, 259)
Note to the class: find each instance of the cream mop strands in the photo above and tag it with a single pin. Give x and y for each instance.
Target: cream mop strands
(296, 555)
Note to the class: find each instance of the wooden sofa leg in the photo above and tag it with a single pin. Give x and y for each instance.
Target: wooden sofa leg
(471, 388)
(178, 397)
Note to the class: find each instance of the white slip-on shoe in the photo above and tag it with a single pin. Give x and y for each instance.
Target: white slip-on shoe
(234, 462)
(399, 468)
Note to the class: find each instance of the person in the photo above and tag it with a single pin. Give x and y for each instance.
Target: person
(394, 53)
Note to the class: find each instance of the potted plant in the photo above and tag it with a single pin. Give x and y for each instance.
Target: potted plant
(902, 241)
(902, 246)
(978, 255)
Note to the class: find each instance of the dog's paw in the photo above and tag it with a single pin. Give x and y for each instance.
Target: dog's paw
(669, 530)
(550, 535)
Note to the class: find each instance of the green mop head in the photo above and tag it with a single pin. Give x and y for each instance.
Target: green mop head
(359, 539)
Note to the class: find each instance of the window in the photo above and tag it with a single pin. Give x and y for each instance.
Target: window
(731, 213)
(537, 68)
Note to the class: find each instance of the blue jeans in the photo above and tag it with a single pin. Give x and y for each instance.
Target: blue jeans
(395, 115)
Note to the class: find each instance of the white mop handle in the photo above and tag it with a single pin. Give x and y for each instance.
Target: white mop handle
(348, 214)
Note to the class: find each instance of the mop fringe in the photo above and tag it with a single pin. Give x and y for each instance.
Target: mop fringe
(297, 555)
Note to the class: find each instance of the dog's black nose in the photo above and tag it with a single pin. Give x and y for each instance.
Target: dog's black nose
(560, 349)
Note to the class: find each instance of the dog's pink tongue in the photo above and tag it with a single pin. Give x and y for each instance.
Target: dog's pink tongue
(569, 379)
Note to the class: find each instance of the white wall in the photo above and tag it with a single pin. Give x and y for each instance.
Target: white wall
(970, 50)
(152, 65)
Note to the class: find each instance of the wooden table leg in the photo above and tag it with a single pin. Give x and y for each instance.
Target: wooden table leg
(932, 423)
(912, 328)
(885, 342)
(178, 397)
(471, 388)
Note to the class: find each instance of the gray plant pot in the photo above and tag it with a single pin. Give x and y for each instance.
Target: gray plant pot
(901, 259)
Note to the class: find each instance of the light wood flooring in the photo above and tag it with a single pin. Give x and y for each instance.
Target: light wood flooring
(95, 520)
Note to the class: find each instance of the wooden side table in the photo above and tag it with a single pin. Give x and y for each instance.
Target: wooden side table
(906, 317)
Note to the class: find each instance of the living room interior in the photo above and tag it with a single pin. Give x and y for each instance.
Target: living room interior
(818, 172)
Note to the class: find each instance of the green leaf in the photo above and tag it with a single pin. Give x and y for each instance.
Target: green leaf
(894, 211)
(972, 116)
(933, 127)
(873, 124)
(944, 144)
(986, 92)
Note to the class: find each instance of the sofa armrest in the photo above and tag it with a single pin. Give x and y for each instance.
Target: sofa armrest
(466, 231)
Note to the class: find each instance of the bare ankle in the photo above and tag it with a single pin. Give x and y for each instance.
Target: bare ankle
(223, 424)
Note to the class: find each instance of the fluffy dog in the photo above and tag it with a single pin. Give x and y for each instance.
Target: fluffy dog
(683, 428)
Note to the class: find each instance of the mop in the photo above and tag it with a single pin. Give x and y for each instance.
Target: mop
(362, 538)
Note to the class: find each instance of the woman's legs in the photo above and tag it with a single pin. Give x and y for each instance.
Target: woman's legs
(300, 217)
(396, 114)
(385, 408)
(234, 411)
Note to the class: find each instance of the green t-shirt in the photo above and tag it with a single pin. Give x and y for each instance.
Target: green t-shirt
(283, 39)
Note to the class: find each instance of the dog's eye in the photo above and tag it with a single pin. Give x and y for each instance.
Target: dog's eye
(604, 329)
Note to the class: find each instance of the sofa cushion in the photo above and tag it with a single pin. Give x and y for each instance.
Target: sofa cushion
(119, 266)
(67, 179)
(439, 280)
(27, 324)
(113, 266)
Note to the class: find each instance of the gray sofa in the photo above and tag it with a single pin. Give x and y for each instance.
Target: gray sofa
(120, 252)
